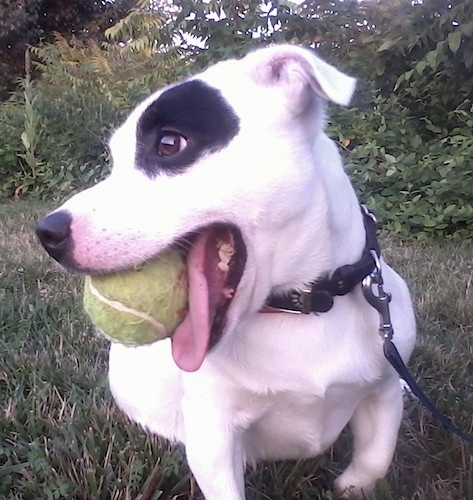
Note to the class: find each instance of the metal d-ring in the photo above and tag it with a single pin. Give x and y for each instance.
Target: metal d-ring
(368, 213)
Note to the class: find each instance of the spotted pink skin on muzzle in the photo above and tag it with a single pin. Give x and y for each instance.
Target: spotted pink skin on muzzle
(101, 249)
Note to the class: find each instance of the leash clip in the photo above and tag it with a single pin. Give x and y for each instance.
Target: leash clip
(379, 300)
(368, 213)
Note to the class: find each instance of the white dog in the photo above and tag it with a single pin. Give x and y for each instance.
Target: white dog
(236, 159)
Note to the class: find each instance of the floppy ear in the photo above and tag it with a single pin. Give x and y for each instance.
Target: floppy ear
(296, 69)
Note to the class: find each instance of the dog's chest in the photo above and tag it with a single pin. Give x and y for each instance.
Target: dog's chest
(289, 422)
(293, 425)
(315, 355)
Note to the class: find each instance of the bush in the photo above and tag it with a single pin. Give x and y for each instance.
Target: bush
(84, 93)
(417, 187)
(11, 125)
(65, 156)
(413, 173)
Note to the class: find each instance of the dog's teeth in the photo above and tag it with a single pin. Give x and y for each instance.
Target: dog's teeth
(225, 254)
(228, 292)
(224, 267)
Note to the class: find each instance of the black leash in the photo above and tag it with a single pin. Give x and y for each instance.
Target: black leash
(392, 355)
(380, 301)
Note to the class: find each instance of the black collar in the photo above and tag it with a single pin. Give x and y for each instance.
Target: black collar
(318, 296)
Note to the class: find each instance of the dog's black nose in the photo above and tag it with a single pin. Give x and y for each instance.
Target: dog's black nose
(53, 231)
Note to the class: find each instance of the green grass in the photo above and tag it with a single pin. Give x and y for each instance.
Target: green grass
(61, 435)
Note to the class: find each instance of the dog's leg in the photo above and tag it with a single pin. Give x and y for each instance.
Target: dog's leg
(214, 449)
(375, 426)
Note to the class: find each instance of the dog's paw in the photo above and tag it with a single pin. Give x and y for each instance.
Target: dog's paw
(350, 485)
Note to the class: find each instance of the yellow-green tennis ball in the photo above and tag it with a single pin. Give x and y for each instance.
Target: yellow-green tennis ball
(137, 307)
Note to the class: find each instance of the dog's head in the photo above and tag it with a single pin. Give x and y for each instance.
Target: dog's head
(228, 157)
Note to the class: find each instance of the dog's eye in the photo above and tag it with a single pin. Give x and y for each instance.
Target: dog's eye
(171, 143)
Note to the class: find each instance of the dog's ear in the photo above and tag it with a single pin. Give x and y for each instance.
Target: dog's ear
(296, 69)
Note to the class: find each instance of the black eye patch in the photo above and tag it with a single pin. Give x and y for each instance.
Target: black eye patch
(195, 111)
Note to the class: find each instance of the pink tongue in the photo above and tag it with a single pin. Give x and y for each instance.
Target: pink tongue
(191, 338)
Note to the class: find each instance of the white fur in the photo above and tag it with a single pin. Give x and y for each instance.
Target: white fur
(276, 386)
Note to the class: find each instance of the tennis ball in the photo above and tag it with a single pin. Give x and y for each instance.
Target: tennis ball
(139, 306)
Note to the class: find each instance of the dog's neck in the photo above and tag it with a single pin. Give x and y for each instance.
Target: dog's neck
(325, 235)
(307, 257)
(318, 296)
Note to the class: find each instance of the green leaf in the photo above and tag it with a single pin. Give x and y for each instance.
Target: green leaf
(388, 44)
(380, 68)
(450, 209)
(454, 40)
(25, 140)
(428, 222)
(420, 67)
(467, 29)
(431, 59)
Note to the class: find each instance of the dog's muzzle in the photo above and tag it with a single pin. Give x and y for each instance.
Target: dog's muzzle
(216, 258)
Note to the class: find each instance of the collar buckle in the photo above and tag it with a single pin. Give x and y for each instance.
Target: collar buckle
(299, 302)
(306, 301)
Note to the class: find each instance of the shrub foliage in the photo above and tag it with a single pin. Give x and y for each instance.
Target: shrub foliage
(417, 186)
(407, 139)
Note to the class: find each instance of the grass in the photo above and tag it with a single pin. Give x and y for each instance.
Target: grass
(62, 437)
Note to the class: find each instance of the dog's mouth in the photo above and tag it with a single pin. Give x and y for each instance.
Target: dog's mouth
(216, 258)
